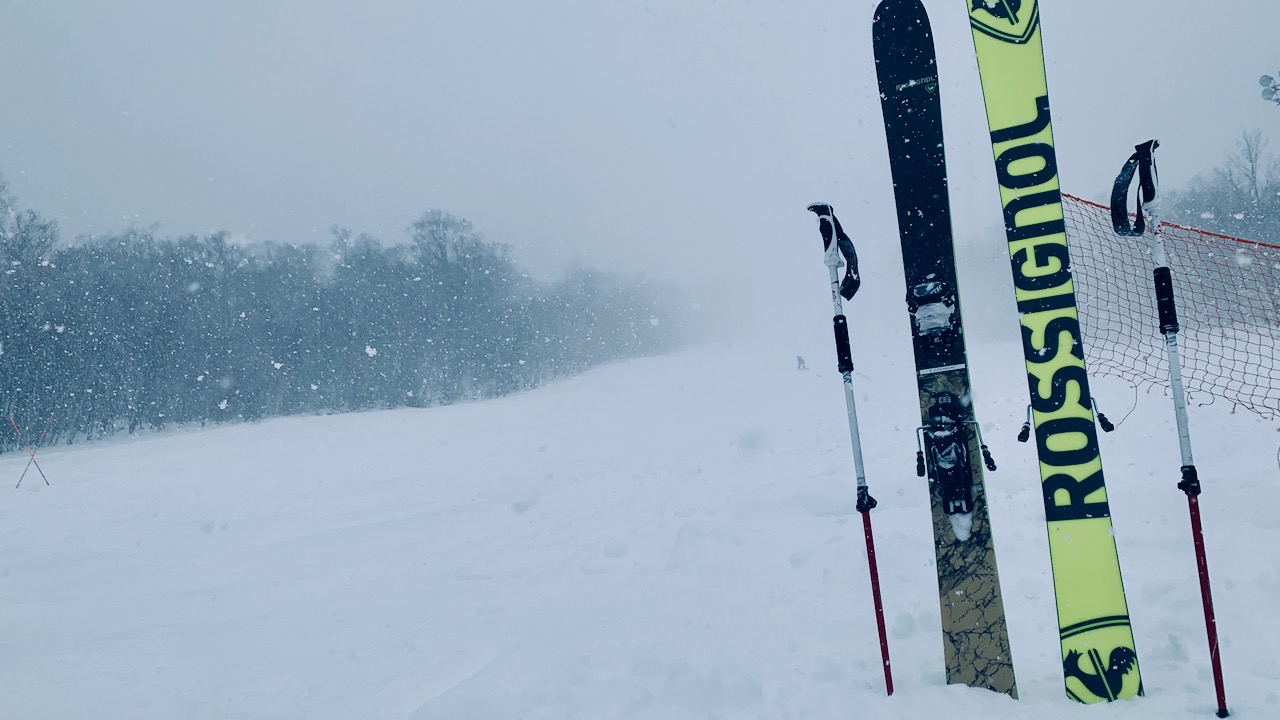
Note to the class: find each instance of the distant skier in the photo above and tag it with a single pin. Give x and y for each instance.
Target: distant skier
(800, 363)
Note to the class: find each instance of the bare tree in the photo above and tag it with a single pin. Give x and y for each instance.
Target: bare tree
(1247, 171)
(1240, 197)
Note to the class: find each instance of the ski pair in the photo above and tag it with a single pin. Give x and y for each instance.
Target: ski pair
(1098, 655)
(1099, 659)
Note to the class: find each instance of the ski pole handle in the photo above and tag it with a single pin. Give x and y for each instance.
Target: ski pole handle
(844, 357)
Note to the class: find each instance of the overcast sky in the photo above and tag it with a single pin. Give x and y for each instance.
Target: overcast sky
(682, 138)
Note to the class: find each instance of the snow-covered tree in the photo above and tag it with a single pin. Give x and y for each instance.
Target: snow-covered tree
(1241, 197)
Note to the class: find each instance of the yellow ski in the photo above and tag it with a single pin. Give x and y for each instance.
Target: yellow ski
(1099, 661)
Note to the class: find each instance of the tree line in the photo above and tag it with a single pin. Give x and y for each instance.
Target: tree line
(130, 332)
(1241, 197)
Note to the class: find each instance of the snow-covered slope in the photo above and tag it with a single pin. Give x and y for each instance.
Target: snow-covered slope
(671, 537)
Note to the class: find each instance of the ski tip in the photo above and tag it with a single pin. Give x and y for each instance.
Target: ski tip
(819, 208)
(884, 6)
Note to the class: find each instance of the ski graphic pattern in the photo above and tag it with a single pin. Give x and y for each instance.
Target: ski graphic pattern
(975, 634)
(1099, 661)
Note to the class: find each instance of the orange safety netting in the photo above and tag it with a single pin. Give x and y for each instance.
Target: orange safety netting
(1228, 298)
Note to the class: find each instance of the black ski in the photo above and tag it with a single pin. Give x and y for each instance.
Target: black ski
(975, 635)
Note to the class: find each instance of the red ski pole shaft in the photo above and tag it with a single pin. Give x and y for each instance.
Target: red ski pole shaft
(875, 596)
(1206, 597)
(48, 423)
(18, 430)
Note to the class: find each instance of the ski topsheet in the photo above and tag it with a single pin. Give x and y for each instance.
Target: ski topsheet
(975, 635)
(1099, 661)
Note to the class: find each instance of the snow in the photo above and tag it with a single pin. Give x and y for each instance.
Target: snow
(961, 525)
(934, 316)
(671, 537)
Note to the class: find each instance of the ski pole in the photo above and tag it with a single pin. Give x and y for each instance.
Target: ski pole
(30, 451)
(835, 244)
(1143, 161)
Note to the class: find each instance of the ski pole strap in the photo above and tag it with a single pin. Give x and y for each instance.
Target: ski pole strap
(1142, 161)
(852, 279)
(831, 230)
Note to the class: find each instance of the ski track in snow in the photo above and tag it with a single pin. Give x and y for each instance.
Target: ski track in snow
(670, 537)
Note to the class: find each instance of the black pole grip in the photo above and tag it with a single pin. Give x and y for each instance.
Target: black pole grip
(989, 461)
(1025, 433)
(1164, 301)
(844, 357)
(920, 463)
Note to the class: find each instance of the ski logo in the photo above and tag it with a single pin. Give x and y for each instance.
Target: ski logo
(1104, 682)
(1012, 21)
(1027, 170)
(930, 84)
